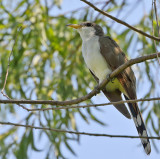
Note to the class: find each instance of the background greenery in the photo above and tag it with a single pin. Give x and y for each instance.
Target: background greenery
(47, 64)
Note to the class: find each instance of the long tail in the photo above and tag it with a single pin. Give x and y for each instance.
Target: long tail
(138, 120)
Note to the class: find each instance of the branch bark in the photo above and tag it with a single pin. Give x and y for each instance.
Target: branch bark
(81, 106)
(93, 92)
(76, 132)
(121, 22)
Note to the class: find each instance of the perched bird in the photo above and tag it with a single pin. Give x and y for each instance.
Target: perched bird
(102, 55)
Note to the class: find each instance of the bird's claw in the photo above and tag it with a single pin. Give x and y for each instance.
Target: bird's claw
(111, 79)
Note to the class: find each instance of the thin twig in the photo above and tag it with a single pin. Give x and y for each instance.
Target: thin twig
(9, 60)
(134, 6)
(76, 10)
(76, 106)
(94, 105)
(157, 20)
(121, 22)
(118, 12)
(76, 132)
(105, 4)
(155, 9)
(94, 91)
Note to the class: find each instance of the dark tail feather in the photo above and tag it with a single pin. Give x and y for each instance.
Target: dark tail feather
(114, 97)
(138, 120)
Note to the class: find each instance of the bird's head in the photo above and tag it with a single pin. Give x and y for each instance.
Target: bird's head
(87, 29)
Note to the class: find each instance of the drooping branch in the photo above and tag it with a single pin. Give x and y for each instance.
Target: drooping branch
(157, 20)
(121, 22)
(94, 91)
(76, 132)
(9, 60)
(155, 9)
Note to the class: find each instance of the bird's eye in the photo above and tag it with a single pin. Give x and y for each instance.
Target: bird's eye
(89, 24)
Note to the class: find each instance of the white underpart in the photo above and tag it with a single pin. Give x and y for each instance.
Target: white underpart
(91, 53)
(94, 59)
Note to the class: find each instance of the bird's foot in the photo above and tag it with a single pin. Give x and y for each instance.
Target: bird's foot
(111, 79)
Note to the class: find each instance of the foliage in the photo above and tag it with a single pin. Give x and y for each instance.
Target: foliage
(47, 64)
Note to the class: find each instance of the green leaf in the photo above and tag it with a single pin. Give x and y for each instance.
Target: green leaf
(69, 148)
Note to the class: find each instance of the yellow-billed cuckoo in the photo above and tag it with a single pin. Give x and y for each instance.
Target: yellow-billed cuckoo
(102, 55)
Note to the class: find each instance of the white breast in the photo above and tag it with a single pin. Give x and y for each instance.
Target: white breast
(93, 58)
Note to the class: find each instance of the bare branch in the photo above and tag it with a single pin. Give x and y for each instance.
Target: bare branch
(94, 91)
(75, 132)
(121, 22)
(77, 106)
(93, 105)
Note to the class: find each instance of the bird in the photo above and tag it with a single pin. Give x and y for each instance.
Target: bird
(103, 55)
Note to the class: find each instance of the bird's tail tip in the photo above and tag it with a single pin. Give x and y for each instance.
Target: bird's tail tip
(142, 133)
(139, 123)
(147, 148)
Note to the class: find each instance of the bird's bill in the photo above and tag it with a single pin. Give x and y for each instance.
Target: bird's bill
(75, 26)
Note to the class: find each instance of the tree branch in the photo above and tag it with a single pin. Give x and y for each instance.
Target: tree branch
(78, 106)
(94, 91)
(76, 132)
(121, 22)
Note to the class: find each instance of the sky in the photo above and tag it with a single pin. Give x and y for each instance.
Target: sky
(91, 147)
(102, 147)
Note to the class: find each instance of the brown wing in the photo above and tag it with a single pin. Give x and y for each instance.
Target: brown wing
(114, 97)
(115, 57)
